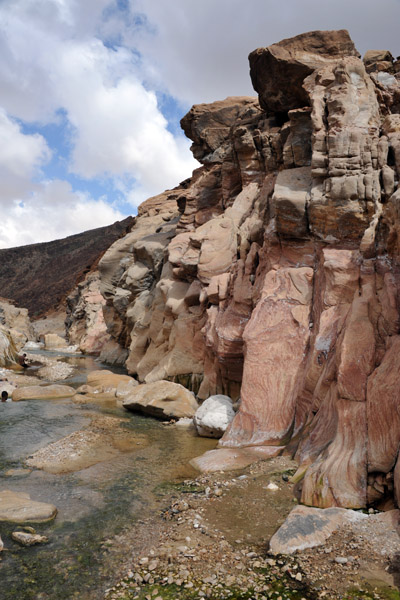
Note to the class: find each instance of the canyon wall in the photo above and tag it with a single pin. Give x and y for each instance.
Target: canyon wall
(273, 274)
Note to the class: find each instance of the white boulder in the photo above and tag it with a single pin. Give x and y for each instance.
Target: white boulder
(214, 416)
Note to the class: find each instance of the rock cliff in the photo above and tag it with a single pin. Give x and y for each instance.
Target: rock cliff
(273, 274)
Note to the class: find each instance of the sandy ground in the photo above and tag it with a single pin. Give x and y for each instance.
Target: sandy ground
(103, 439)
(212, 542)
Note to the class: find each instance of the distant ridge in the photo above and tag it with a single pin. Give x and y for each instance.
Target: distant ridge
(40, 276)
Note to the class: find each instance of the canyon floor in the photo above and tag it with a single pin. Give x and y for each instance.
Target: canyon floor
(211, 541)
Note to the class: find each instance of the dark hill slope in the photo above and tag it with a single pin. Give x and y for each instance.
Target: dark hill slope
(39, 276)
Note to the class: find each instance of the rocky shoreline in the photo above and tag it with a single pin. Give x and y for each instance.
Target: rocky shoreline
(203, 550)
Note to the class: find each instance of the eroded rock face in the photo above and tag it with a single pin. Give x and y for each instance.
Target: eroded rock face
(273, 274)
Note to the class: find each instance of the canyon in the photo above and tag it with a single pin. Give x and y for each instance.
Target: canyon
(272, 275)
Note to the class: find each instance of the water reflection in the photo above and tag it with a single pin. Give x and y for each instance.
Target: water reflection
(94, 503)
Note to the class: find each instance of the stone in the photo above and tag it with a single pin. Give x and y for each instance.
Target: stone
(307, 527)
(42, 392)
(162, 399)
(276, 338)
(278, 71)
(52, 341)
(231, 459)
(17, 507)
(213, 416)
(107, 381)
(28, 539)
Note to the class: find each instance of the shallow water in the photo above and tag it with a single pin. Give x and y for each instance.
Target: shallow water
(94, 504)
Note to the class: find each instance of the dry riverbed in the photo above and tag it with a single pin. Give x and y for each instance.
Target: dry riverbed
(212, 542)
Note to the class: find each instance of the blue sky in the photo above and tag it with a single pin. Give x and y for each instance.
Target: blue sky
(91, 94)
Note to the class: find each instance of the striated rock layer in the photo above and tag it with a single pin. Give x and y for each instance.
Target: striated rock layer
(273, 274)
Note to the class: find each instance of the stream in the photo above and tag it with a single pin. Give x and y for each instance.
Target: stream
(95, 504)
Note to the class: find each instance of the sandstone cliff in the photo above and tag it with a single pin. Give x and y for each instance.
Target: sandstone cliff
(273, 274)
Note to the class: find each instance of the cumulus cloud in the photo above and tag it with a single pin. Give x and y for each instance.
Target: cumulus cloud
(103, 64)
(20, 157)
(52, 211)
(52, 57)
(199, 49)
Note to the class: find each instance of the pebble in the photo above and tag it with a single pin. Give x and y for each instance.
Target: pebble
(341, 560)
(272, 487)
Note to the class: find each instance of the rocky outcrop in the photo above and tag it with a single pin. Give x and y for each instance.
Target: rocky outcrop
(17, 321)
(273, 274)
(86, 327)
(8, 348)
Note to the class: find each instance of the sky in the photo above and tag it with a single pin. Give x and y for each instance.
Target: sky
(92, 92)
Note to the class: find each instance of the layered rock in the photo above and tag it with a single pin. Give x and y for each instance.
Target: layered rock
(273, 274)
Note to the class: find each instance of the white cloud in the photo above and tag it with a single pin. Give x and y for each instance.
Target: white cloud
(20, 153)
(119, 128)
(198, 50)
(20, 157)
(52, 211)
(103, 65)
(50, 58)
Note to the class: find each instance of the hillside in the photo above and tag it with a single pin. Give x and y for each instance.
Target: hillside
(39, 276)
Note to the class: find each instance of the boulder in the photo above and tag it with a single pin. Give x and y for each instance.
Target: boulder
(214, 416)
(162, 399)
(17, 507)
(306, 527)
(278, 71)
(52, 341)
(107, 381)
(42, 392)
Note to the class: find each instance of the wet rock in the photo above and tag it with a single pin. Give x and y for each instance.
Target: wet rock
(42, 392)
(28, 539)
(17, 507)
(18, 472)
